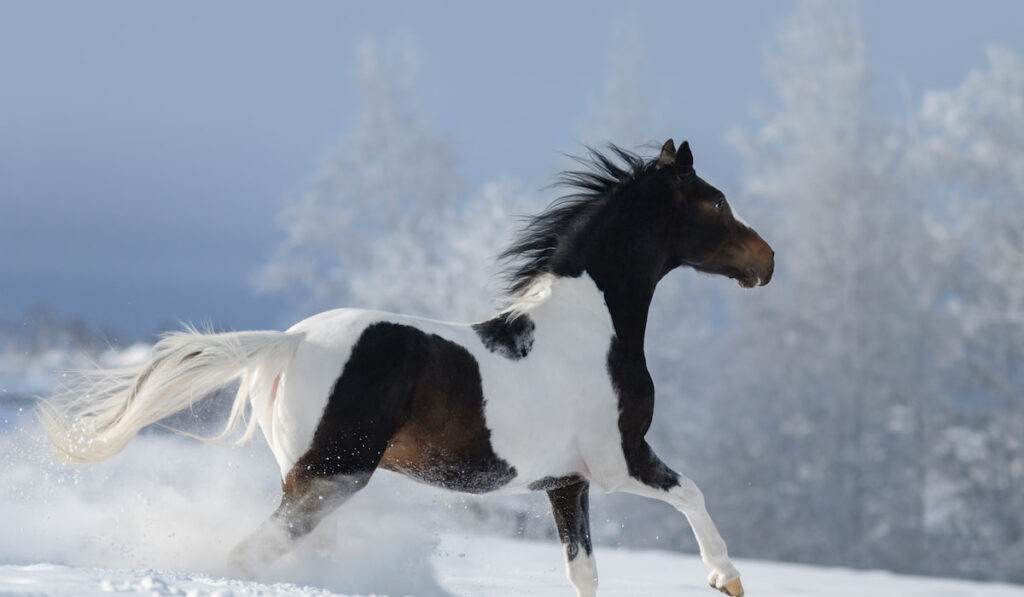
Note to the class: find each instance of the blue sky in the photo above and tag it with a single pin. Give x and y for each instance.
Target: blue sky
(145, 148)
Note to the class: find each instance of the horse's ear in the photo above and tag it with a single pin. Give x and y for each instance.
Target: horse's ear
(684, 158)
(668, 153)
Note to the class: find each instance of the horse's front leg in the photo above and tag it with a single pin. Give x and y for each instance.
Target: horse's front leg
(570, 505)
(650, 477)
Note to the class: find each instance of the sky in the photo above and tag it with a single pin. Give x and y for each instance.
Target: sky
(146, 148)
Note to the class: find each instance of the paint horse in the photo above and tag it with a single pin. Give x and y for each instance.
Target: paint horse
(551, 394)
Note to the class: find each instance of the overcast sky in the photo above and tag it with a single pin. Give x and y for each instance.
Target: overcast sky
(145, 148)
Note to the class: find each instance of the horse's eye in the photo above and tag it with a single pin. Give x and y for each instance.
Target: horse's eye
(720, 205)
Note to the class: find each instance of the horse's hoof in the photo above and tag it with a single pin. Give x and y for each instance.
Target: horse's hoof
(735, 588)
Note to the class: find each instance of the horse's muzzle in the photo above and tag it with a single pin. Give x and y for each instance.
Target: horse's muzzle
(759, 263)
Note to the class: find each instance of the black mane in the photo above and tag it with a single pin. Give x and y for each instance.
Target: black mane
(549, 240)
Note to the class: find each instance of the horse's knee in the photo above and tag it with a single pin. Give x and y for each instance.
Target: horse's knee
(688, 493)
(308, 499)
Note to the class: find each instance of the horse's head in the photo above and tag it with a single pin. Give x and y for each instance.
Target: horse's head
(706, 234)
(629, 221)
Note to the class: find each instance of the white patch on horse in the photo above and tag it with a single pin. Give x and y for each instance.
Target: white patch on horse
(536, 293)
(737, 216)
(555, 412)
(582, 573)
(302, 394)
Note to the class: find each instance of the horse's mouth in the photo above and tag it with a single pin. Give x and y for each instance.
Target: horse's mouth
(746, 277)
(750, 278)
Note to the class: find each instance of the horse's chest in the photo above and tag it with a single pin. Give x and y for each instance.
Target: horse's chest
(548, 411)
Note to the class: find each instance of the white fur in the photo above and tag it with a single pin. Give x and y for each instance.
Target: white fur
(555, 412)
(736, 216)
(688, 499)
(96, 413)
(582, 573)
(290, 422)
(536, 293)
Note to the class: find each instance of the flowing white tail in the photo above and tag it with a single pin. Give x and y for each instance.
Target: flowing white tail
(96, 413)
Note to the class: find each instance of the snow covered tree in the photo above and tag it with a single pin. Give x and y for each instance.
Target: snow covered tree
(454, 278)
(623, 111)
(893, 378)
(970, 150)
(390, 178)
(385, 223)
(840, 372)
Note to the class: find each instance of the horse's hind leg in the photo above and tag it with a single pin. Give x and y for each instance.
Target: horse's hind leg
(570, 505)
(338, 464)
(366, 407)
(305, 503)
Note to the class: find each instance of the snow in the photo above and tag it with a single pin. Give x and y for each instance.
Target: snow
(52, 579)
(160, 518)
(28, 373)
(470, 565)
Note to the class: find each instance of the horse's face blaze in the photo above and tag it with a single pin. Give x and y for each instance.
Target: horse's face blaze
(705, 233)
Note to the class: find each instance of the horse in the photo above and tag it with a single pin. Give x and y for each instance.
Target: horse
(550, 394)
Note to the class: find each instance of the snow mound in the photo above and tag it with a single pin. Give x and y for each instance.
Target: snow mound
(172, 504)
(54, 580)
(475, 566)
(160, 518)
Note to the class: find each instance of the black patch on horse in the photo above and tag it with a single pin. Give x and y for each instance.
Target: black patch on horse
(627, 370)
(571, 507)
(627, 223)
(557, 240)
(549, 483)
(411, 402)
(511, 337)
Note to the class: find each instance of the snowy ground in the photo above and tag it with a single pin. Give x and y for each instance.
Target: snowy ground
(160, 518)
(483, 567)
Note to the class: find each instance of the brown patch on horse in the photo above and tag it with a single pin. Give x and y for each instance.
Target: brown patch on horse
(445, 444)
(405, 454)
(755, 254)
(413, 403)
(744, 256)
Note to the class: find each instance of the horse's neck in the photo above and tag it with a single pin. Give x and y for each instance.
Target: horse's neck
(628, 303)
(579, 309)
(574, 308)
